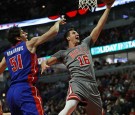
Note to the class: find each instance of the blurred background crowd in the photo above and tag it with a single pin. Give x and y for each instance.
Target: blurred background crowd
(115, 71)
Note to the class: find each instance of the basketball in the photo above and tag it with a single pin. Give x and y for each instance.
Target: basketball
(108, 1)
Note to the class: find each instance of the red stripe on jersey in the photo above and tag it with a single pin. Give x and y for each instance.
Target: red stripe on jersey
(32, 77)
(72, 95)
(103, 113)
(37, 99)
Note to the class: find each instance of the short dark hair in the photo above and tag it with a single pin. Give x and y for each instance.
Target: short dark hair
(67, 34)
(13, 32)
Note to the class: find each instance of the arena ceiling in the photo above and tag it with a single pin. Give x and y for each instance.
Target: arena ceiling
(18, 10)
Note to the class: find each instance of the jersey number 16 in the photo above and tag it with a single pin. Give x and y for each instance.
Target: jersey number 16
(84, 60)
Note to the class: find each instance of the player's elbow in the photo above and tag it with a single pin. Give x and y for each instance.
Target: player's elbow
(1, 71)
(55, 33)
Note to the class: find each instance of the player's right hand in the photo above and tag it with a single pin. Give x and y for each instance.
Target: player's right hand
(44, 66)
(62, 21)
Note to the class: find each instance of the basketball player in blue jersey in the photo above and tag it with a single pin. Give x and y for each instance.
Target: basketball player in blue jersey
(78, 60)
(23, 97)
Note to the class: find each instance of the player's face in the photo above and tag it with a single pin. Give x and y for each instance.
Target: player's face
(74, 37)
(23, 35)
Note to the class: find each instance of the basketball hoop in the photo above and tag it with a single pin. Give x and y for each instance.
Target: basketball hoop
(88, 4)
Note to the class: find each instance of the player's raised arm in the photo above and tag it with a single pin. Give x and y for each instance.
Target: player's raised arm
(47, 63)
(34, 42)
(3, 65)
(1, 111)
(96, 31)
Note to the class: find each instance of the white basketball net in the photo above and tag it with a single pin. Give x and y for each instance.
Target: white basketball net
(90, 4)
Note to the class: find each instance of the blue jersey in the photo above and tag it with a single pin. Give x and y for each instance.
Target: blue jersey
(22, 64)
(23, 69)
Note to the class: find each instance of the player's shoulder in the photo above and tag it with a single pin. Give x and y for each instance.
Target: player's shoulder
(30, 43)
(14, 46)
(34, 39)
(61, 51)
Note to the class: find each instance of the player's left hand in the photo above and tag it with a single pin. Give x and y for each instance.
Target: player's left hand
(62, 21)
(44, 66)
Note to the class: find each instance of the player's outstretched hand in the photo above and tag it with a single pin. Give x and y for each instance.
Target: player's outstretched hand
(44, 66)
(109, 5)
(62, 21)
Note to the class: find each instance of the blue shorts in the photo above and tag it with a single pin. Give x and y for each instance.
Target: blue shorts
(24, 99)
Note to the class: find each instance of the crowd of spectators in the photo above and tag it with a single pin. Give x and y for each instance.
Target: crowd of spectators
(115, 35)
(117, 90)
(107, 36)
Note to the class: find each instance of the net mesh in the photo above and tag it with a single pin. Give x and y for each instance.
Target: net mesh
(90, 4)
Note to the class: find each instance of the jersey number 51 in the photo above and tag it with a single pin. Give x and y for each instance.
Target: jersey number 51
(16, 62)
